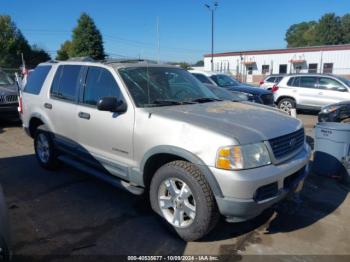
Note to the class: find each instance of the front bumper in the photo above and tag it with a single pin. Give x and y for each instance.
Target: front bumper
(247, 193)
(9, 110)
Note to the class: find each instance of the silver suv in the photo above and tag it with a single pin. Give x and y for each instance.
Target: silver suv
(156, 128)
(311, 91)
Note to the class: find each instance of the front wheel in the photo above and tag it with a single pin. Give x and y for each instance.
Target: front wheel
(181, 195)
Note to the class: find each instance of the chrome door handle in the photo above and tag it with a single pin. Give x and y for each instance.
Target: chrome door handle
(84, 115)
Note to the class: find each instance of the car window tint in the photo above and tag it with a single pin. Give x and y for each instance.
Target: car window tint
(329, 84)
(99, 83)
(308, 81)
(202, 78)
(291, 81)
(278, 79)
(271, 79)
(36, 79)
(65, 82)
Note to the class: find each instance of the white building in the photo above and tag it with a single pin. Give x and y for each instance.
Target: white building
(253, 66)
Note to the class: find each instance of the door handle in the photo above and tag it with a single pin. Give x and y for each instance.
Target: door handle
(48, 105)
(84, 115)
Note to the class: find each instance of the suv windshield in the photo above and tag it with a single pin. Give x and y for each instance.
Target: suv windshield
(5, 80)
(224, 80)
(160, 86)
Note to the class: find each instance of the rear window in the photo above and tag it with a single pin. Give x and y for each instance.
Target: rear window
(202, 78)
(270, 79)
(65, 82)
(36, 79)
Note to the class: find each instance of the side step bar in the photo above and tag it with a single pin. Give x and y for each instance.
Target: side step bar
(100, 175)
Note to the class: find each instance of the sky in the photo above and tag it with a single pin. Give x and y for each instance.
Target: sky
(129, 27)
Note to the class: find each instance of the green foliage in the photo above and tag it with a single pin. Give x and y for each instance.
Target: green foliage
(13, 43)
(329, 30)
(64, 52)
(199, 63)
(345, 24)
(87, 39)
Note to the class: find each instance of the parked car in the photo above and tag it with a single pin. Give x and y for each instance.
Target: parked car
(311, 91)
(254, 94)
(224, 94)
(339, 112)
(8, 96)
(155, 128)
(270, 81)
(4, 230)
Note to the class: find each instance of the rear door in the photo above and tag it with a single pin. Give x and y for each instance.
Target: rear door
(105, 138)
(62, 106)
(332, 91)
(308, 92)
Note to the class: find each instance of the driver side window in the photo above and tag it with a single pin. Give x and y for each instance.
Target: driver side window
(99, 83)
(330, 84)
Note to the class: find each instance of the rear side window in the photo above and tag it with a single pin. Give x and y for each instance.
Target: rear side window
(271, 79)
(308, 81)
(278, 79)
(36, 79)
(99, 83)
(65, 82)
(202, 78)
(294, 81)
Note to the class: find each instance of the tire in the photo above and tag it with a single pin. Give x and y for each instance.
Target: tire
(44, 150)
(195, 224)
(346, 120)
(286, 104)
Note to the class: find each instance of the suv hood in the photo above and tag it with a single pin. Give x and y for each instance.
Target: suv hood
(8, 90)
(245, 122)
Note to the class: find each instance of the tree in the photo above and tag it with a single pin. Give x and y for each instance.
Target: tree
(199, 63)
(64, 52)
(185, 65)
(302, 34)
(328, 30)
(87, 39)
(345, 25)
(13, 44)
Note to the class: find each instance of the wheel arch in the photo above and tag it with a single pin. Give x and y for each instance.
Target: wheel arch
(160, 155)
(286, 96)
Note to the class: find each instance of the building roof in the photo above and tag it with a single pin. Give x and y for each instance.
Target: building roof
(284, 50)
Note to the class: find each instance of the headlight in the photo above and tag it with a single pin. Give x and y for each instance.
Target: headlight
(329, 109)
(242, 156)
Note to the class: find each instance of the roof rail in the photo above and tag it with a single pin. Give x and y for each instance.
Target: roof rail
(132, 60)
(82, 59)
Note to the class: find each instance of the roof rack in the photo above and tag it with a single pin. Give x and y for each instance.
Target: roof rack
(82, 59)
(123, 61)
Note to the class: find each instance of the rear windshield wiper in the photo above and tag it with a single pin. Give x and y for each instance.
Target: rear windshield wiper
(205, 99)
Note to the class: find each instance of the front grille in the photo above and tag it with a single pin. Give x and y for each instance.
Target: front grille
(267, 99)
(284, 145)
(8, 99)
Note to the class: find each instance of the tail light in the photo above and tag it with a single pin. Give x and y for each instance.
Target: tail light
(261, 83)
(274, 88)
(20, 105)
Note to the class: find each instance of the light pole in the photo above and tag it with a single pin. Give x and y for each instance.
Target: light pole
(212, 9)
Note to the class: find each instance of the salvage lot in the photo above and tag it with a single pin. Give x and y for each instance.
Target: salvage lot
(69, 213)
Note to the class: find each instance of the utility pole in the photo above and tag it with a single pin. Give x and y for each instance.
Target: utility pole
(212, 8)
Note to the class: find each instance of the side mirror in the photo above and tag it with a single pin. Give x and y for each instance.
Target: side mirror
(342, 89)
(111, 104)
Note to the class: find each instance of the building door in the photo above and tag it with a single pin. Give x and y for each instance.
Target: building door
(283, 69)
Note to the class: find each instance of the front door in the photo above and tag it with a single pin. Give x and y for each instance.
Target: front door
(105, 137)
(331, 91)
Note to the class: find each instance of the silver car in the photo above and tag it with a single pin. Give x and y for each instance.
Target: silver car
(311, 91)
(156, 129)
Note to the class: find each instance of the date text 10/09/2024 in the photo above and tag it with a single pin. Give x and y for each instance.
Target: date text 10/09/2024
(173, 258)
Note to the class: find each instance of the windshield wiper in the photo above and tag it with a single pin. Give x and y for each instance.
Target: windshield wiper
(165, 102)
(205, 100)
